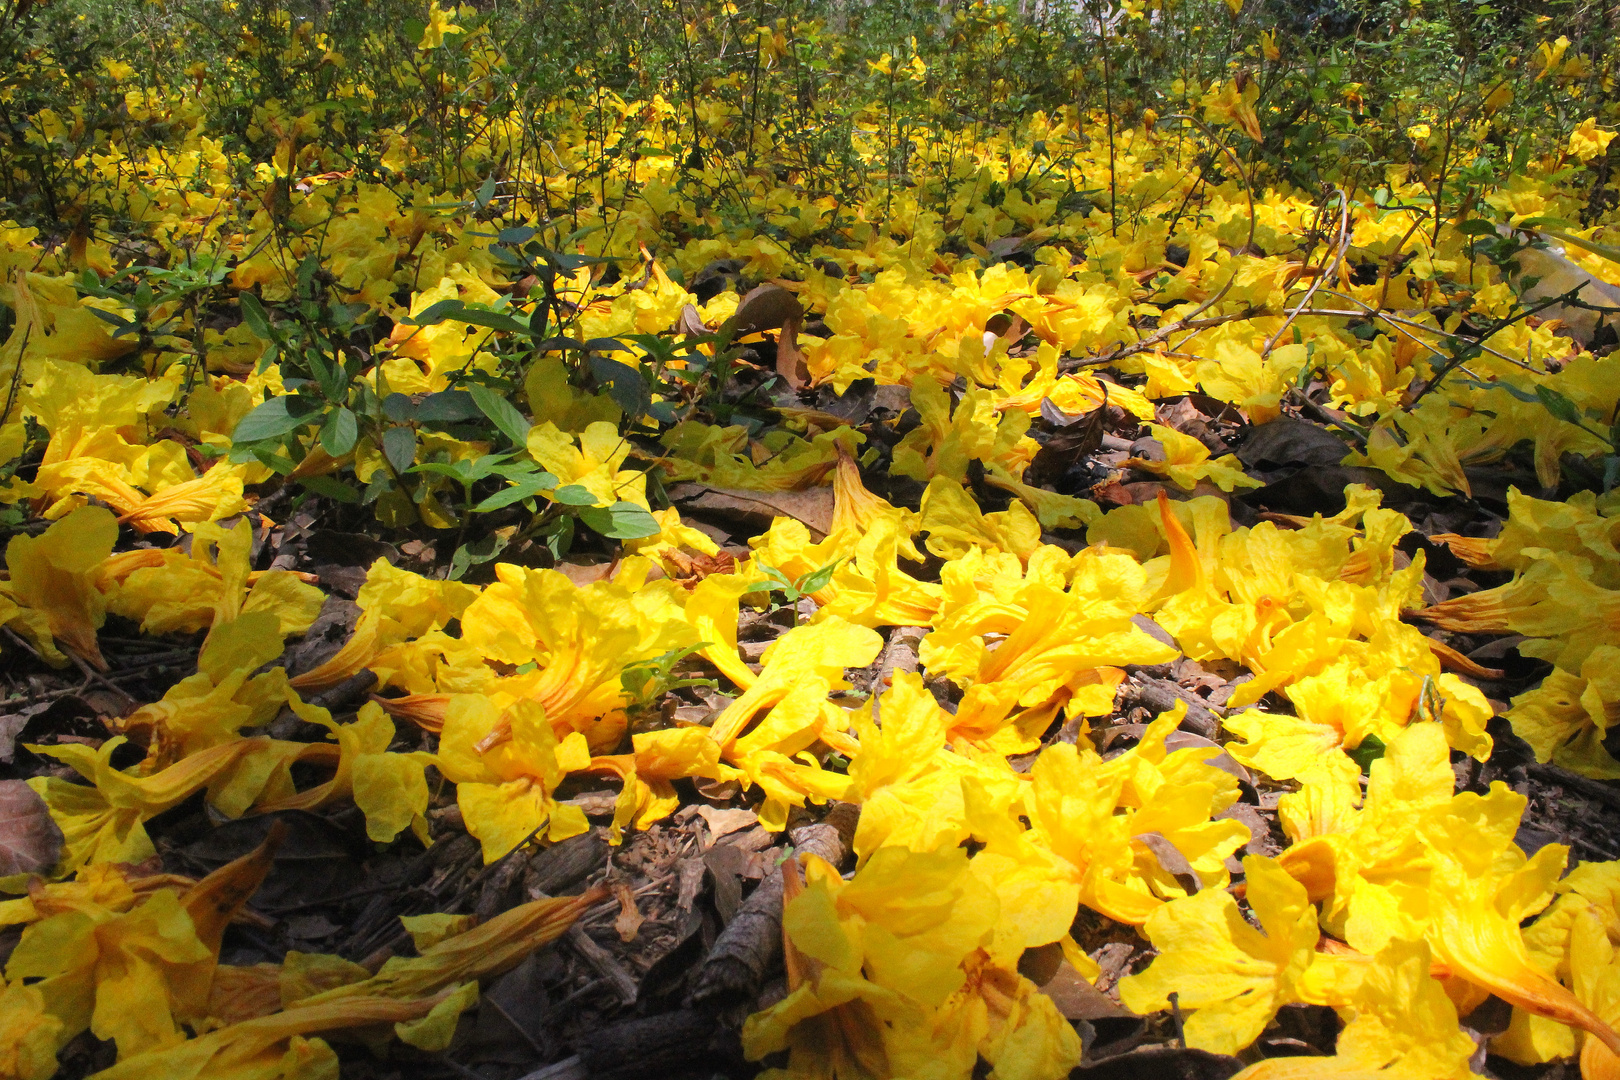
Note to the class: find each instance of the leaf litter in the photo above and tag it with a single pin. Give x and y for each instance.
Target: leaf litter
(962, 665)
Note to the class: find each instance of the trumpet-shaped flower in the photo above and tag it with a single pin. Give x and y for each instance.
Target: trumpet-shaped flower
(1054, 644)
(51, 595)
(1093, 827)
(102, 822)
(1481, 890)
(169, 590)
(131, 974)
(1187, 461)
(658, 757)
(1233, 976)
(1400, 1026)
(505, 793)
(1566, 718)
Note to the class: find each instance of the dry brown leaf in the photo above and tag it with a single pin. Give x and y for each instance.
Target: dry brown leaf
(689, 322)
(749, 509)
(30, 842)
(1077, 999)
(628, 924)
(789, 359)
(725, 822)
(767, 307)
(1171, 859)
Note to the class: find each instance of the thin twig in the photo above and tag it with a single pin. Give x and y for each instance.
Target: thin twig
(1327, 272)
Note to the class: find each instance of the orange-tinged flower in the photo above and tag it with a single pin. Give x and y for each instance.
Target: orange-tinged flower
(215, 494)
(103, 823)
(119, 975)
(1482, 889)
(1556, 602)
(534, 636)
(29, 1034)
(396, 606)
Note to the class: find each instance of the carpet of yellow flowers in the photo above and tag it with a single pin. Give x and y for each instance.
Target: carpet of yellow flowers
(826, 512)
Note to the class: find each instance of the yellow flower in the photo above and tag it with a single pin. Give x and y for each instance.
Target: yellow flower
(907, 781)
(659, 757)
(1587, 141)
(593, 465)
(395, 606)
(29, 1035)
(104, 822)
(1234, 105)
(1482, 889)
(1231, 975)
(1057, 645)
(766, 732)
(1400, 1024)
(1187, 461)
(51, 595)
(505, 793)
(887, 976)
(1083, 846)
(1566, 718)
(1556, 602)
(1549, 54)
(119, 975)
(438, 25)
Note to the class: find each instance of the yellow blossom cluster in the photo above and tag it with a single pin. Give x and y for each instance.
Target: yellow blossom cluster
(146, 436)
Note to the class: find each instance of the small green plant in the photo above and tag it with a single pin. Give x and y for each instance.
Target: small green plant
(792, 591)
(647, 681)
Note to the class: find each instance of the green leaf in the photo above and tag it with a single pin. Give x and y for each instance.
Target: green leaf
(575, 495)
(331, 488)
(627, 387)
(527, 488)
(123, 324)
(494, 320)
(435, 313)
(502, 413)
(340, 431)
(1559, 405)
(253, 314)
(399, 447)
(1369, 750)
(817, 580)
(459, 471)
(447, 407)
(399, 407)
(276, 418)
(478, 551)
(621, 521)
